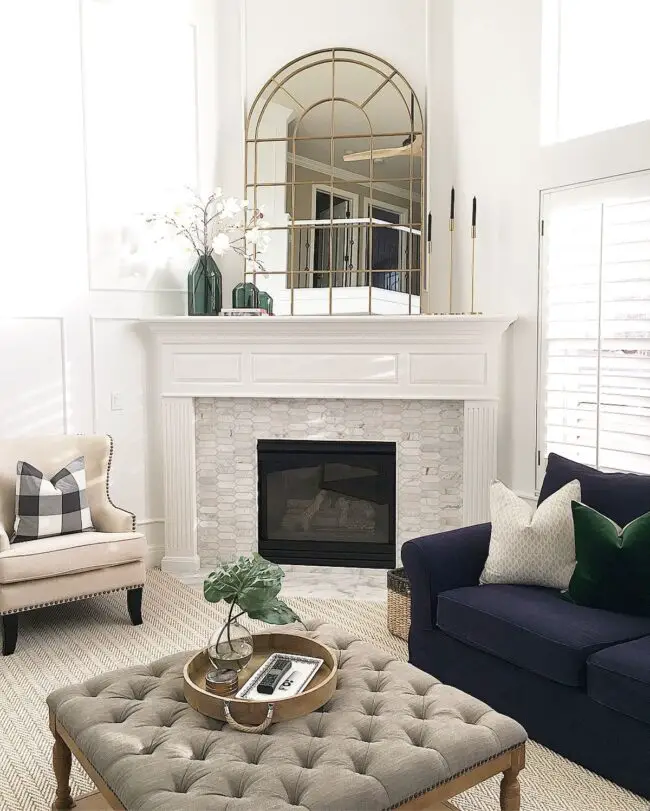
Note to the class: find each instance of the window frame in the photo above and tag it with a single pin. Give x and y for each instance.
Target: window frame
(545, 197)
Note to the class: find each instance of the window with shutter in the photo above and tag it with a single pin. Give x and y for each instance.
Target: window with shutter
(594, 387)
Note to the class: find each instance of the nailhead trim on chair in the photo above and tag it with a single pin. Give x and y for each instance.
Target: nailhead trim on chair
(108, 477)
(69, 599)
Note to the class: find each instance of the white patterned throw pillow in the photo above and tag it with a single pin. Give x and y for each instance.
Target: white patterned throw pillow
(531, 547)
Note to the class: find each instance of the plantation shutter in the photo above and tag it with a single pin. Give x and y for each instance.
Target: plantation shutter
(595, 348)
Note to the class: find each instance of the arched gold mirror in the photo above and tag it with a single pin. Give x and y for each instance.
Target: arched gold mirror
(335, 159)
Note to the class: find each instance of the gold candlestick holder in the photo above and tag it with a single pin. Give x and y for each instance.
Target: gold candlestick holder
(473, 310)
(452, 228)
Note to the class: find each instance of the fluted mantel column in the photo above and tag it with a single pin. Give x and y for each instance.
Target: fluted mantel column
(179, 474)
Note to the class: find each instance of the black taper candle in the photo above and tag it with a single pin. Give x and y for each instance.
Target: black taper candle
(474, 212)
(452, 204)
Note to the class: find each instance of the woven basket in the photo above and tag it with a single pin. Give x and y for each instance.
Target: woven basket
(399, 603)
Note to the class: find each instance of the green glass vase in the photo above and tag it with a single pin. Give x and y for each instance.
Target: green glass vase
(245, 295)
(266, 302)
(204, 288)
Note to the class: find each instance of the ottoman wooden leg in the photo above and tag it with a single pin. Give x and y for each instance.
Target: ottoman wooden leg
(61, 763)
(510, 794)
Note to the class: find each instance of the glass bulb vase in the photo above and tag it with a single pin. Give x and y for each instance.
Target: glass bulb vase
(204, 288)
(231, 646)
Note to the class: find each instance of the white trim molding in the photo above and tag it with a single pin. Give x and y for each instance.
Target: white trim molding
(446, 357)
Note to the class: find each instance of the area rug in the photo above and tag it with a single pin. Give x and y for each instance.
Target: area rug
(69, 643)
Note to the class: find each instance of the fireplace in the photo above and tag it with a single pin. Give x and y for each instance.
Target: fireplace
(327, 503)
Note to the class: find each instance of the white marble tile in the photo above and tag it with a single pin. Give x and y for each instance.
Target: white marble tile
(321, 583)
(429, 447)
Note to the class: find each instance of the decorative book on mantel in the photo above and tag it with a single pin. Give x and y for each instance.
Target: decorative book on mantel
(243, 311)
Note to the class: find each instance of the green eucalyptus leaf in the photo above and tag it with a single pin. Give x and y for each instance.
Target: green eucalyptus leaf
(275, 612)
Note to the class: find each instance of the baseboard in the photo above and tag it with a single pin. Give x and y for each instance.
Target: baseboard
(180, 565)
(154, 532)
(155, 554)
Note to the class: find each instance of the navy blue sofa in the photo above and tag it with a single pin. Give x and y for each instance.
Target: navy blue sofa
(577, 678)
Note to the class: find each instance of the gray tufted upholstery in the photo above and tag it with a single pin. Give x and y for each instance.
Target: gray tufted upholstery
(390, 732)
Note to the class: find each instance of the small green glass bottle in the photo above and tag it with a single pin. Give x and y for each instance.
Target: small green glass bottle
(245, 295)
(266, 302)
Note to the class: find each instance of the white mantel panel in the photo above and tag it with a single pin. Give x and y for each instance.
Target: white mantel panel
(402, 357)
(332, 368)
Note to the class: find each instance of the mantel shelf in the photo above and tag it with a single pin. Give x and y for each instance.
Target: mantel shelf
(335, 329)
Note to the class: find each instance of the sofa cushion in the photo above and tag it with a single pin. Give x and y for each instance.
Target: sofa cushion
(619, 678)
(534, 628)
(531, 547)
(66, 554)
(620, 496)
(613, 564)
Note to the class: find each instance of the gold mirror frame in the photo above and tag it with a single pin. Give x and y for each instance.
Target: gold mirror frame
(411, 279)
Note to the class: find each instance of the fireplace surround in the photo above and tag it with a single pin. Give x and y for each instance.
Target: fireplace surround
(196, 363)
(328, 503)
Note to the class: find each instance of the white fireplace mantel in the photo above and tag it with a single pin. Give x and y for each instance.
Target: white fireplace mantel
(426, 357)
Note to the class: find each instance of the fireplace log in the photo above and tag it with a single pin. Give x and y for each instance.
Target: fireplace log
(310, 512)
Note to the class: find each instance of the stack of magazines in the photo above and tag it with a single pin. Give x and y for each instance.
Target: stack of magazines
(236, 311)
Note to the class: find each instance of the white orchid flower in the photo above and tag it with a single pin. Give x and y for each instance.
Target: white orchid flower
(231, 207)
(253, 236)
(221, 244)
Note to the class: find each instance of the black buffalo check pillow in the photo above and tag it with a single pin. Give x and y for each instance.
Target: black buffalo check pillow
(55, 506)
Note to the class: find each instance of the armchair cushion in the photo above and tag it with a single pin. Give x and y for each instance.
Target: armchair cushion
(68, 554)
(47, 507)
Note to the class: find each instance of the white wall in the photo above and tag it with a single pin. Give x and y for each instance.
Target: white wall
(72, 359)
(498, 158)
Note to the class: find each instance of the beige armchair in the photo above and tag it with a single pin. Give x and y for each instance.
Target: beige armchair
(66, 567)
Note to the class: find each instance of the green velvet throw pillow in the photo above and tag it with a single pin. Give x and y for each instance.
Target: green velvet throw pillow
(613, 564)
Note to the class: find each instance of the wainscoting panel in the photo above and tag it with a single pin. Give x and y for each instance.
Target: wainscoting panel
(33, 373)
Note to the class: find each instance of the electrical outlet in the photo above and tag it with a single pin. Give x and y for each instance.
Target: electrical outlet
(116, 401)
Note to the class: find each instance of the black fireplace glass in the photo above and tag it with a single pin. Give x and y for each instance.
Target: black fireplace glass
(327, 503)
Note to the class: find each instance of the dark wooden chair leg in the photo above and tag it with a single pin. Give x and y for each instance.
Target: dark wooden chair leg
(134, 603)
(9, 633)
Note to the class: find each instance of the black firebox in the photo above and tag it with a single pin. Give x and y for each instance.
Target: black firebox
(327, 503)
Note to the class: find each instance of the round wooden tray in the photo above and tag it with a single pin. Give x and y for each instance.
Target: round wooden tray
(255, 716)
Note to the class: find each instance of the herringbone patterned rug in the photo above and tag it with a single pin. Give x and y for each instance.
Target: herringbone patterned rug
(69, 643)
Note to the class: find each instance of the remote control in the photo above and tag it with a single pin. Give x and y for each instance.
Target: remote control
(274, 675)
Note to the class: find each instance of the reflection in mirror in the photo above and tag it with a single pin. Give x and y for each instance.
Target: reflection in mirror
(335, 159)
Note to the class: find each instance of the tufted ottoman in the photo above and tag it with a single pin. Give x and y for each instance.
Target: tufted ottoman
(391, 736)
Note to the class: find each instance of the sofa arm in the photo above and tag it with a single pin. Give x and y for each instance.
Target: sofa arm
(437, 563)
(109, 518)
